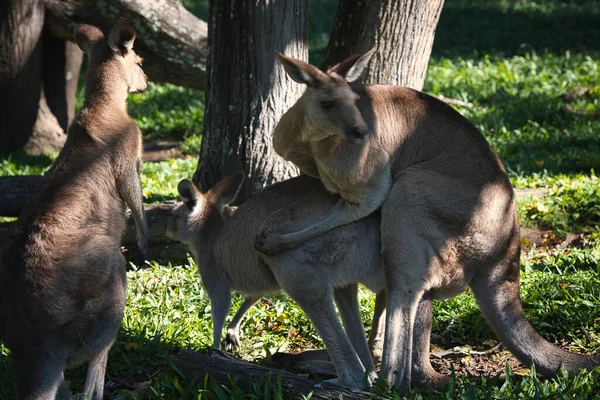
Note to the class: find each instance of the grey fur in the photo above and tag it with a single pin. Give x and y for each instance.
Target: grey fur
(312, 274)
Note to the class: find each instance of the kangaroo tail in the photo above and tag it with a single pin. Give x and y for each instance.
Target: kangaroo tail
(498, 297)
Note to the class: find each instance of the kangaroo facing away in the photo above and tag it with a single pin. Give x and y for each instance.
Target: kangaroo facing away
(447, 209)
(62, 278)
(222, 242)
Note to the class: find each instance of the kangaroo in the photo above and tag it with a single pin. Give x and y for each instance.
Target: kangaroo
(62, 278)
(448, 215)
(222, 243)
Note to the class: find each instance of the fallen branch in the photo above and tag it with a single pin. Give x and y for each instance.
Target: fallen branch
(455, 102)
(462, 351)
(16, 192)
(19, 190)
(172, 41)
(246, 375)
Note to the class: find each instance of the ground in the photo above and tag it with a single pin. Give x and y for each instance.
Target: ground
(531, 71)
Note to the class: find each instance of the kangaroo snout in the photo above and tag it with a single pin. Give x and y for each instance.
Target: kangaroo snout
(356, 134)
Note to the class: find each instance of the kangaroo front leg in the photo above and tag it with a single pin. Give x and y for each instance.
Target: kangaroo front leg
(130, 190)
(232, 338)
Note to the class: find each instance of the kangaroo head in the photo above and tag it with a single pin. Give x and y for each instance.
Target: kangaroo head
(202, 214)
(113, 65)
(330, 104)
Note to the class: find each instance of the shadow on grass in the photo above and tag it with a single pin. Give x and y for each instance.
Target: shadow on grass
(133, 359)
(507, 28)
(535, 133)
(21, 159)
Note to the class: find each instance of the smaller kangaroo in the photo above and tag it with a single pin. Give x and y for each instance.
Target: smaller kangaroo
(62, 278)
(221, 240)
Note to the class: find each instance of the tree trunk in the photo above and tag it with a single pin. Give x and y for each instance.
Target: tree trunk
(38, 80)
(21, 23)
(62, 65)
(172, 41)
(247, 90)
(401, 30)
(39, 71)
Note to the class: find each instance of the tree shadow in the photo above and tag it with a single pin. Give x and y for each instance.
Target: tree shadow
(536, 133)
(22, 159)
(493, 27)
(135, 358)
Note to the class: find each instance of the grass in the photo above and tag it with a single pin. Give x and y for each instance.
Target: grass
(513, 60)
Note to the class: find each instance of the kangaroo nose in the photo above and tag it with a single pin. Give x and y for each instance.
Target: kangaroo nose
(356, 132)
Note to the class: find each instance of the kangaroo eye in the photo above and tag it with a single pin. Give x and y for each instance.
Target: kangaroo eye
(327, 105)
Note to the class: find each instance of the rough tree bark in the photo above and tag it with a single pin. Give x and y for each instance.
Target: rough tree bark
(247, 90)
(402, 31)
(39, 70)
(62, 66)
(21, 24)
(171, 40)
(38, 80)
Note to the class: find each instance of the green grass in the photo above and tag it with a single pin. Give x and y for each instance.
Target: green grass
(513, 60)
(168, 111)
(571, 205)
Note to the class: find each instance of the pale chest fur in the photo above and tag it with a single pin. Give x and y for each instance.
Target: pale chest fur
(350, 169)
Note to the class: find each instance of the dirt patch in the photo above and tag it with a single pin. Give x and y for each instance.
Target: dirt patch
(468, 362)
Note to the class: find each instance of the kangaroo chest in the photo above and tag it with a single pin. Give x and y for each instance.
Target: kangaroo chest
(349, 168)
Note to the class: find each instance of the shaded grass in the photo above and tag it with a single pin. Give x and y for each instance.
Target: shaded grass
(508, 28)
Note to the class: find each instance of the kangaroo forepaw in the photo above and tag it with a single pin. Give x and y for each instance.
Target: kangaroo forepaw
(270, 243)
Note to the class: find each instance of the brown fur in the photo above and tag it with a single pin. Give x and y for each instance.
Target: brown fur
(62, 278)
(448, 213)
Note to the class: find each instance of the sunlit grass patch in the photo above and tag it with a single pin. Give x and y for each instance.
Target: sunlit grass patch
(160, 179)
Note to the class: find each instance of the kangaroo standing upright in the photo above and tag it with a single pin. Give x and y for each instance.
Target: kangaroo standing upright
(62, 278)
(448, 216)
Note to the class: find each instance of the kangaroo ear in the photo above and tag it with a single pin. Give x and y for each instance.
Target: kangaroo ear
(86, 36)
(301, 72)
(121, 37)
(188, 193)
(352, 67)
(225, 191)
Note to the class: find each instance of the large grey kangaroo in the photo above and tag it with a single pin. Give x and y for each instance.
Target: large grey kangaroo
(221, 240)
(447, 210)
(62, 278)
